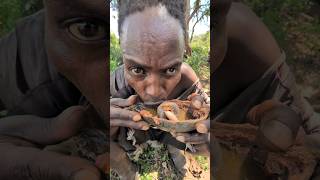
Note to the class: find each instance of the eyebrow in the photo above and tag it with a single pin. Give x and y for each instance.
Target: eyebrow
(145, 66)
(83, 7)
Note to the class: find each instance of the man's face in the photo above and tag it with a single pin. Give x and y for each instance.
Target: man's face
(76, 43)
(152, 44)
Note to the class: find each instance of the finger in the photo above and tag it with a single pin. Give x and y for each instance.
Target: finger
(67, 124)
(118, 113)
(102, 162)
(141, 125)
(22, 163)
(191, 96)
(203, 127)
(49, 130)
(192, 138)
(197, 101)
(124, 102)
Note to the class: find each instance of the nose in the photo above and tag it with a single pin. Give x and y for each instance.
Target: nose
(154, 88)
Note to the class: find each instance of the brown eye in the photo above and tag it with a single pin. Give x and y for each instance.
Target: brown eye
(87, 30)
(137, 71)
(171, 71)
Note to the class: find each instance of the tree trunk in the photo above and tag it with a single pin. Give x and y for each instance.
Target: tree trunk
(187, 19)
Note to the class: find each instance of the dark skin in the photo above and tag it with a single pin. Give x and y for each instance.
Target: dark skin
(153, 67)
(82, 61)
(238, 48)
(76, 44)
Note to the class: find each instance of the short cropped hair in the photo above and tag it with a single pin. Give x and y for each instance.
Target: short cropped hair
(175, 8)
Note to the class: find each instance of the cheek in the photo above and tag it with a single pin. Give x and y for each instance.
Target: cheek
(136, 84)
(86, 69)
(172, 83)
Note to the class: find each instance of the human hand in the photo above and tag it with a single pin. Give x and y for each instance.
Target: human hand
(278, 125)
(200, 139)
(121, 117)
(22, 158)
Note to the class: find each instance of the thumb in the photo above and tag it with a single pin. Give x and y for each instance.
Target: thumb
(67, 124)
(52, 130)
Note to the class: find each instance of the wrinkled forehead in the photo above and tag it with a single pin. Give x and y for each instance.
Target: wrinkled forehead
(72, 7)
(151, 24)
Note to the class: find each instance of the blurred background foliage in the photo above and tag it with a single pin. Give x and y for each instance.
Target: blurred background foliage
(12, 10)
(295, 25)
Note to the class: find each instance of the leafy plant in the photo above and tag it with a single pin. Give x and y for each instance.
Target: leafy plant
(200, 53)
(12, 10)
(115, 52)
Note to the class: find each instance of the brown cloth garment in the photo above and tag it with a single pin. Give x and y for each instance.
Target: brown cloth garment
(29, 83)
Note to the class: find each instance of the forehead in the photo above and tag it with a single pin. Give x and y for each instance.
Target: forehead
(72, 7)
(151, 24)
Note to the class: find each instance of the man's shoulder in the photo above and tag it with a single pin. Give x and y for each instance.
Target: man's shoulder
(247, 30)
(188, 75)
(118, 84)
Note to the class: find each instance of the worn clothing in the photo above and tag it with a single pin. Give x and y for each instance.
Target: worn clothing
(29, 83)
(276, 83)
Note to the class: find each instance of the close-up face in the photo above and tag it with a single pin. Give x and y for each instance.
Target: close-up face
(76, 40)
(152, 43)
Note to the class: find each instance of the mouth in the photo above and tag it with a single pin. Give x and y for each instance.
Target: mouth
(153, 104)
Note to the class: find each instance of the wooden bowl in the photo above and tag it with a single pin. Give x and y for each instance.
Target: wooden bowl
(187, 117)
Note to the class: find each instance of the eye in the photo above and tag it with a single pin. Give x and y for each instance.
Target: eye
(87, 29)
(171, 71)
(137, 71)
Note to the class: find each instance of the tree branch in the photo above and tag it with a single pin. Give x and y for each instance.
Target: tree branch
(194, 25)
(195, 10)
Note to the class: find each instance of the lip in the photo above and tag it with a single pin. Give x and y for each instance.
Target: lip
(153, 104)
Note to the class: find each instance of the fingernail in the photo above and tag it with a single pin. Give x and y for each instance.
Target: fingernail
(180, 138)
(145, 128)
(136, 117)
